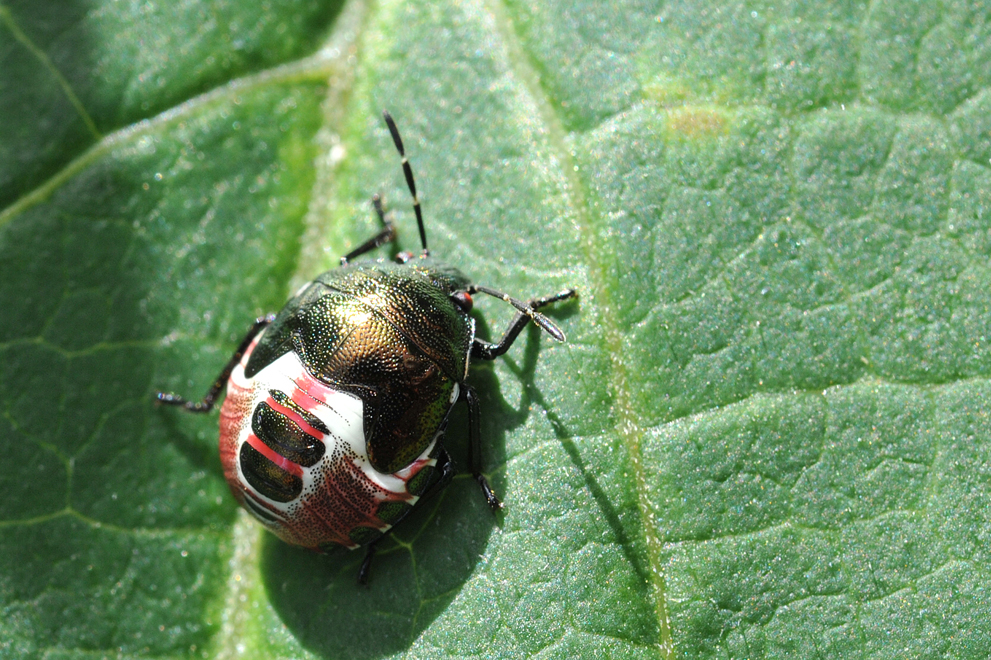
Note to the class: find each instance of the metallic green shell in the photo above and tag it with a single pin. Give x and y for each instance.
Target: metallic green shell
(387, 333)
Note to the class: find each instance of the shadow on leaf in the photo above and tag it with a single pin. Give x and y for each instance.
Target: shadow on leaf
(420, 568)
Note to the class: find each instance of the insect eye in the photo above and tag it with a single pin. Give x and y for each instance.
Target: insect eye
(462, 300)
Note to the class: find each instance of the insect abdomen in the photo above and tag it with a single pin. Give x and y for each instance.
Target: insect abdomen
(294, 454)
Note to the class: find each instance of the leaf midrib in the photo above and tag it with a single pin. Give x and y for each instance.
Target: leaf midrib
(627, 423)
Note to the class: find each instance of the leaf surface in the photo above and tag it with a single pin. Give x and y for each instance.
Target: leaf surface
(766, 436)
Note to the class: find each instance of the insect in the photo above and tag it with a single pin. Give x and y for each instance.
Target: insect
(336, 408)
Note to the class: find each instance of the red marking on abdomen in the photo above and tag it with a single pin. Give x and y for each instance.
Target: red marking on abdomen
(315, 390)
(234, 415)
(272, 455)
(295, 417)
(343, 497)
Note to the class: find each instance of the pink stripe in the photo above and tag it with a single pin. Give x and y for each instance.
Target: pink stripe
(281, 461)
(296, 417)
(314, 389)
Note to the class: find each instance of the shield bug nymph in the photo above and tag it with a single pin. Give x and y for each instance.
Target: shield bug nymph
(336, 407)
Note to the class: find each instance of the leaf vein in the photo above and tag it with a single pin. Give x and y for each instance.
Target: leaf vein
(7, 18)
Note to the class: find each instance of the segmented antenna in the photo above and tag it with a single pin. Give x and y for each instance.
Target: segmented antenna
(408, 171)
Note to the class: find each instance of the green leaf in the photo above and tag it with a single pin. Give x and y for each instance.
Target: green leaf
(766, 437)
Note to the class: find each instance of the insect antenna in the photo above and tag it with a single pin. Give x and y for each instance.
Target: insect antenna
(408, 171)
(528, 308)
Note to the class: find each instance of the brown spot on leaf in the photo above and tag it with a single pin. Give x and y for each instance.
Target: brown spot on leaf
(696, 123)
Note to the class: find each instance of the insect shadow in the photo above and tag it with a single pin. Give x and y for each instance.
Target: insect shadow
(424, 563)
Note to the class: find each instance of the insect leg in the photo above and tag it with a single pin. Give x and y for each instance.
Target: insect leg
(484, 350)
(475, 447)
(211, 396)
(366, 563)
(446, 467)
(387, 235)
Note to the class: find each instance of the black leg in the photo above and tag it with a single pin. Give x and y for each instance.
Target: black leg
(211, 396)
(446, 467)
(475, 447)
(387, 235)
(484, 350)
(366, 564)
